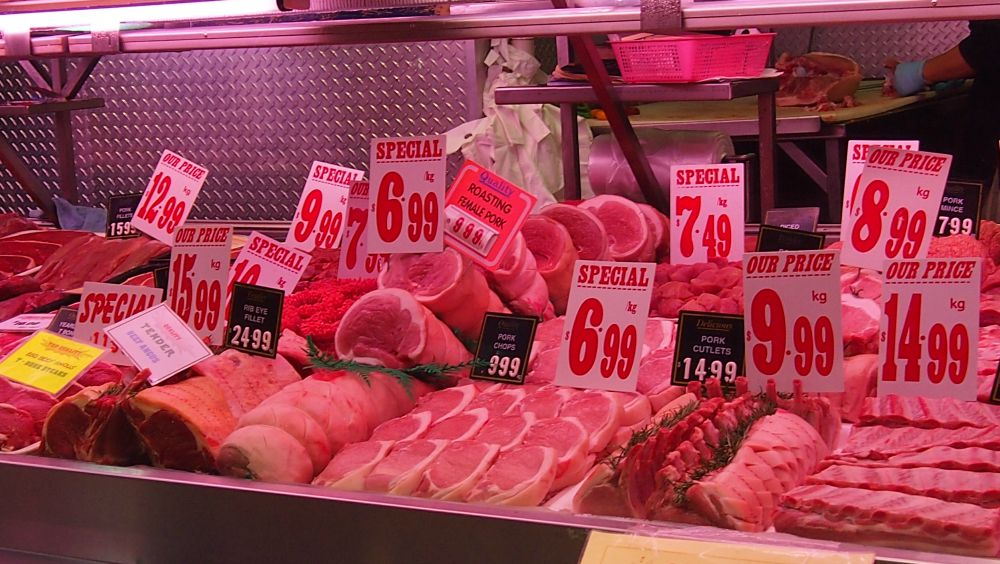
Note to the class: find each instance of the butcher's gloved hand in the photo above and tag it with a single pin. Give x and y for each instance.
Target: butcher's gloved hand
(908, 78)
(947, 85)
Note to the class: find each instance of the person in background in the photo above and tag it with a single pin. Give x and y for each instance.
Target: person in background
(977, 56)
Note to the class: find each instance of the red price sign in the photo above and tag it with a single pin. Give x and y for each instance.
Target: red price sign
(408, 176)
(893, 212)
(857, 156)
(707, 209)
(169, 196)
(266, 262)
(355, 262)
(483, 214)
(199, 270)
(319, 217)
(792, 320)
(929, 328)
(102, 305)
(605, 325)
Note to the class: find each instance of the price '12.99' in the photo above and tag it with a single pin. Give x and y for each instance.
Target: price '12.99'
(168, 198)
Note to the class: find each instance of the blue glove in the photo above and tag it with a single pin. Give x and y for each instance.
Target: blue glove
(909, 78)
(948, 85)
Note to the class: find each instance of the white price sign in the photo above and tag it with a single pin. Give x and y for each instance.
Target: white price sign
(158, 340)
(892, 217)
(355, 262)
(199, 270)
(266, 262)
(792, 320)
(407, 208)
(169, 196)
(929, 328)
(319, 217)
(857, 156)
(706, 206)
(102, 305)
(27, 323)
(605, 325)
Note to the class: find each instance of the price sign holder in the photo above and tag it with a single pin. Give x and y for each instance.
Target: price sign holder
(504, 348)
(319, 217)
(157, 340)
(120, 212)
(707, 213)
(255, 320)
(355, 262)
(792, 319)
(801, 219)
(64, 323)
(857, 156)
(169, 197)
(161, 277)
(408, 180)
(894, 211)
(772, 239)
(929, 329)
(27, 323)
(199, 273)
(605, 325)
(102, 305)
(266, 262)
(960, 209)
(704, 339)
(483, 214)
(48, 362)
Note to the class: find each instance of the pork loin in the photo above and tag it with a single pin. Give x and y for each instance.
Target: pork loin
(555, 254)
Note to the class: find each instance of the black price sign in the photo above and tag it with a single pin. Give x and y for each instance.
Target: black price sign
(120, 212)
(64, 323)
(709, 345)
(504, 345)
(161, 277)
(254, 319)
(800, 219)
(771, 239)
(995, 395)
(959, 211)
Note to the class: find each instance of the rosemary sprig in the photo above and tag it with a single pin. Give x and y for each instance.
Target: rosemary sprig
(615, 458)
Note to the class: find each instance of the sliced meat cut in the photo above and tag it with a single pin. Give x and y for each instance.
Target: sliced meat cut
(456, 470)
(860, 381)
(350, 466)
(586, 231)
(519, 284)
(96, 259)
(555, 255)
(16, 285)
(55, 236)
(522, 476)
(567, 437)
(263, 452)
(546, 401)
(37, 251)
(17, 429)
(446, 403)
(11, 223)
(506, 431)
(859, 319)
(447, 284)
(26, 303)
(406, 428)
(15, 264)
(879, 443)
(246, 380)
(947, 413)
(389, 327)
(401, 471)
(659, 228)
(459, 427)
(498, 402)
(974, 459)
(628, 233)
(961, 486)
(599, 413)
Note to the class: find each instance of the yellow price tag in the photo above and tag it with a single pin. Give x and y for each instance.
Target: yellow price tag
(48, 362)
(619, 548)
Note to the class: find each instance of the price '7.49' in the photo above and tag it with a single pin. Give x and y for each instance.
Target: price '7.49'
(718, 236)
(421, 211)
(616, 349)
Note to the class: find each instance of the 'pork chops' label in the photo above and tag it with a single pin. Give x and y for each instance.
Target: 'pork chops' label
(504, 348)
(102, 305)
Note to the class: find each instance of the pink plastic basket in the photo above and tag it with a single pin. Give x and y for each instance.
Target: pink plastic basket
(691, 58)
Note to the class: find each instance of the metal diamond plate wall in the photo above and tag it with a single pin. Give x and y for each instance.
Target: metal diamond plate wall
(871, 45)
(256, 118)
(33, 139)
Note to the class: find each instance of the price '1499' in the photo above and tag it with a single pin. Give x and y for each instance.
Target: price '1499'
(616, 349)
(421, 212)
(947, 349)
(813, 342)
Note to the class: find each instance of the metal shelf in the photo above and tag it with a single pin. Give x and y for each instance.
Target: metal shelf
(48, 107)
(583, 93)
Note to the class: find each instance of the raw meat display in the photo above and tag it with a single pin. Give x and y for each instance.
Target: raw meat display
(821, 80)
(89, 257)
(456, 470)
(659, 228)
(707, 287)
(555, 255)
(974, 458)
(587, 232)
(520, 476)
(316, 308)
(519, 284)
(629, 236)
(11, 223)
(947, 413)
(960, 486)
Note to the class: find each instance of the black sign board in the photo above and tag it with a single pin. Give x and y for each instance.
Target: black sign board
(504, 347)
(64, 323)
(254, 319)
(709, 345)
(959, 211)
(800, 219)
(995, 394)
(120, 212)
(161, 277)
(772, 239)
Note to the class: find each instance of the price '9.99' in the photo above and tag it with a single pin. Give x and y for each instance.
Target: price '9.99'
(421, 212)
(588, 341)
(813, 342)
(172, 210)
(906, 232)
(323, 225)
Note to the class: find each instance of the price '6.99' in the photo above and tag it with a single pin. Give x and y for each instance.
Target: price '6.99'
(591, 339)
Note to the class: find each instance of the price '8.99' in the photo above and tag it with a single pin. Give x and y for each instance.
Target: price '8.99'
(813, 342)
(906, 232)
(421, 212)
(718, 236)
(616, 349)
(172, 210)
(327, 226)
(947, 349)
(200, 306)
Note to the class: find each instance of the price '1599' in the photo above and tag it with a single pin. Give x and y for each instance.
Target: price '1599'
(616, 349)
(201, 305)
(421, 212)
(813, 342)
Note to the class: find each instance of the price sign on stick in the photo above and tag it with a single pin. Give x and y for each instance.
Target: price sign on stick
(959, 211)
(408, 179)
(605, 325)
(158, 340)
(27, 323)
(929, 328)
(504, 348)
(48, 362)
(483, 214)
(799, 219)
(168, 198)
(355, 262)
(897, 202)
(706, 210)
(102, 305)
(319, 217)
(255, 320)
(857, 156)
(708, 345)
(772, 239)
(792, 320)
(199, 271)
(266, 262)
